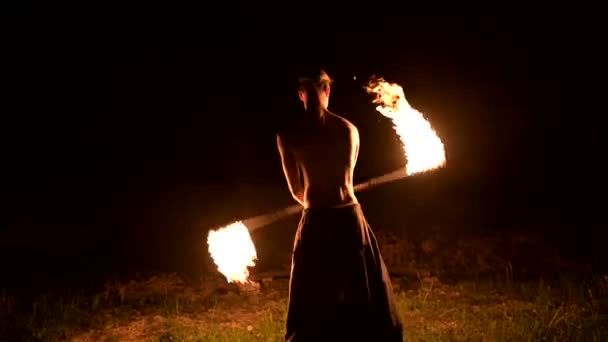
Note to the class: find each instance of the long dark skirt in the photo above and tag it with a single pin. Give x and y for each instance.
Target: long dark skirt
(339, 288)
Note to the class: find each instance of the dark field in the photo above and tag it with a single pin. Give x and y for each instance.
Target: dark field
(465, 268)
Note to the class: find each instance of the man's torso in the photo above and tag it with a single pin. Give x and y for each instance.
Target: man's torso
(325, 152)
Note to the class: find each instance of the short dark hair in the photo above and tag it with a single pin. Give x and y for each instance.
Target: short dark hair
(314, 76)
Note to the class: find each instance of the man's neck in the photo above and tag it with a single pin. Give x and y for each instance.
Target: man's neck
(318, 112)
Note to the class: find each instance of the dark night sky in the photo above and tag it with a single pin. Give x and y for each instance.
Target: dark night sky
(131, 131)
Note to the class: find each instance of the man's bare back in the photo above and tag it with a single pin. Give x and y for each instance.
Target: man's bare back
(319, 156)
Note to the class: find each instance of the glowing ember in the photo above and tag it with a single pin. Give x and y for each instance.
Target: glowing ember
(423, 148)
(232, 251)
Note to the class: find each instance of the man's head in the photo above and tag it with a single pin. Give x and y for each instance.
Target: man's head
(314, 89)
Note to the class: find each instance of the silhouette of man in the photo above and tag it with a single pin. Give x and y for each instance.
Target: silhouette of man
(339, 288)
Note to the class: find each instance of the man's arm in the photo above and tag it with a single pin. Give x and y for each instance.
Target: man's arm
(355, 140)
(291, 171)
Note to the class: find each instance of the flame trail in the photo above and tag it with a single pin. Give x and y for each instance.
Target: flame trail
(423, 148)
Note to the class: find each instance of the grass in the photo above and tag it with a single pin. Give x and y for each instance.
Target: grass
(164, 308)
(496, 312)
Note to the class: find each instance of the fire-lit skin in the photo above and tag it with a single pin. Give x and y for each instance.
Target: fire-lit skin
(319, 152)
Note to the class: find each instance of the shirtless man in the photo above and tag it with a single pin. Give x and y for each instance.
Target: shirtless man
(320, 152)
(339, 287)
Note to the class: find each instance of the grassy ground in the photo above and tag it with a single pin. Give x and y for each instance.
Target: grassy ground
(164, 308)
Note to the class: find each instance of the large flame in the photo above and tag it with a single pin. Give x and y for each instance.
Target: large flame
(423, 148)
(232, 251)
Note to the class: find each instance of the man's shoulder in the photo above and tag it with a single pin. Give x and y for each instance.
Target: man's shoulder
(344, 122)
